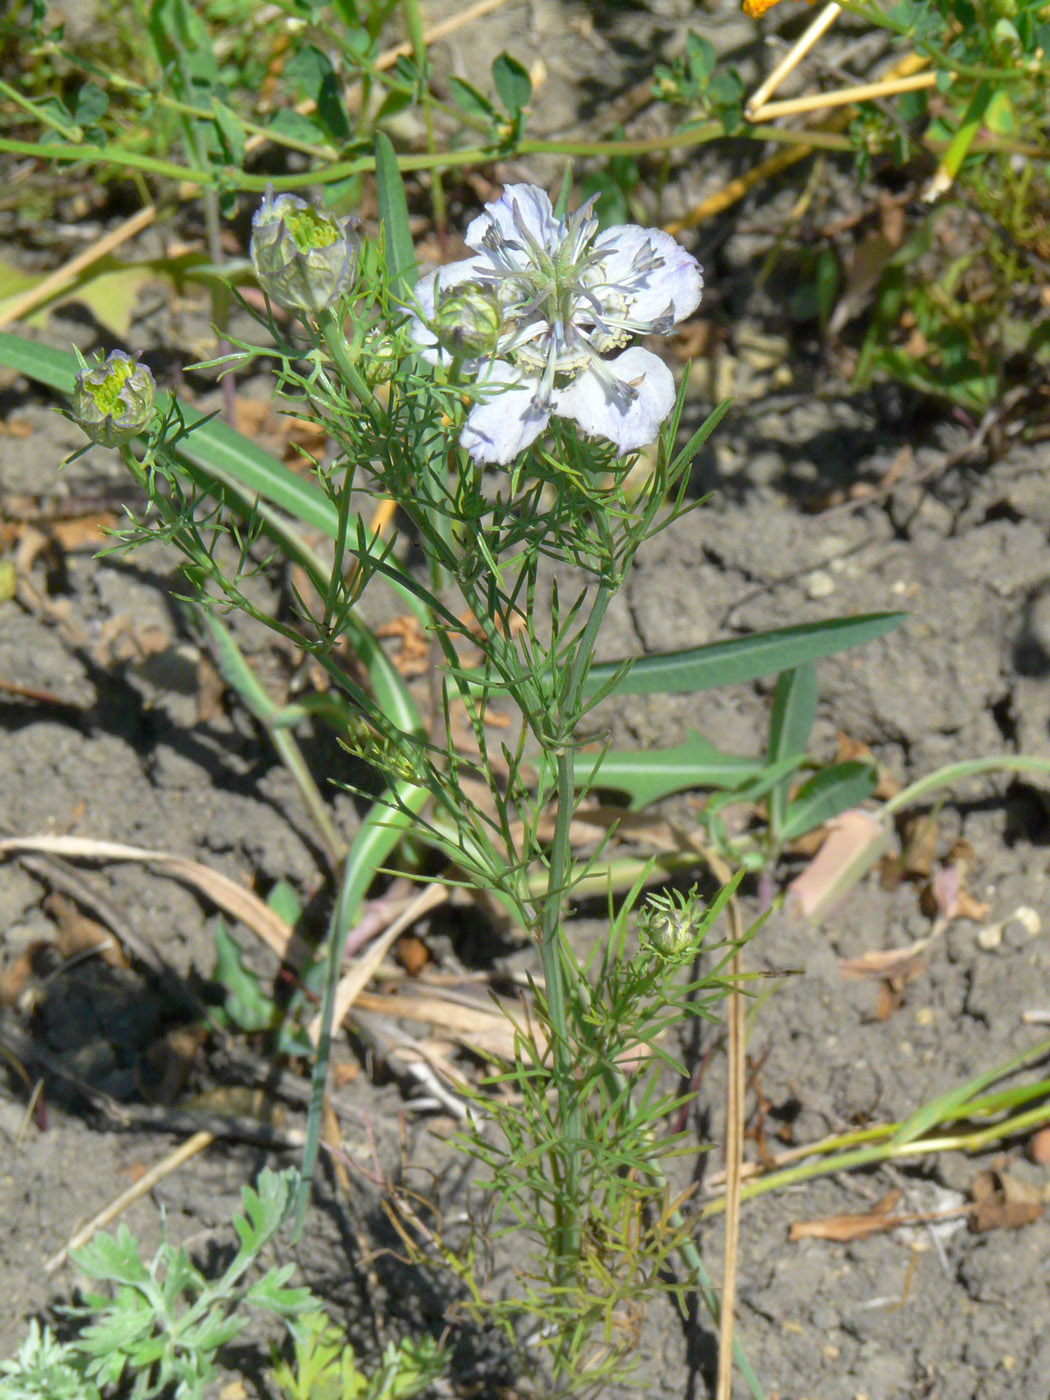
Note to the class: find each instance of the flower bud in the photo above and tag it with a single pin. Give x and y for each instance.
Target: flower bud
(113, 401)
(467, 320)
(304, 259)
(670, 924)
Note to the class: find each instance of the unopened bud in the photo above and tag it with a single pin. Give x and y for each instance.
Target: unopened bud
(467, 320)
(113, 401)
(304, 259)
(671, 923)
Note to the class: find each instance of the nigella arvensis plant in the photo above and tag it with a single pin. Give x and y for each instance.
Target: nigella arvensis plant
(541, 316)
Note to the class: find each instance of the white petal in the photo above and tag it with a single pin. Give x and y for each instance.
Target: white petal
(677, 282)
(598, 413)
(505, 422)
(536, 215)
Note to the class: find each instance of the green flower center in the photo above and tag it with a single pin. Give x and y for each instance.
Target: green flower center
(106, 395)
(310, 229)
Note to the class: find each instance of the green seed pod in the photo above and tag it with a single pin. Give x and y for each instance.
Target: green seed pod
(468, 320)
(304, 259)
(113, 401)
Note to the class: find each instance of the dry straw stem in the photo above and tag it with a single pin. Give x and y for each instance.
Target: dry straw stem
(842, 97)
(903, 73)
(734, 1150)
(794, 56)
(21, 307)
(232, 898)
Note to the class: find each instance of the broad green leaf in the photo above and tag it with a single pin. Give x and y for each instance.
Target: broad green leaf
(744, 658)
(791, 719)
(512, 83)
(827, 794)
(648, 776)
(247, 1005)
(393, 215)
(470, 100)
(14, 281)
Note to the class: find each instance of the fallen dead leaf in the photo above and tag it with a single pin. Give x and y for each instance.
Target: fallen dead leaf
(1039, 1147)
(920, 837)
(79, 934)
(855, 840)
(413, 654)
(904, 963)
(842, 1228)
(1002, 1201)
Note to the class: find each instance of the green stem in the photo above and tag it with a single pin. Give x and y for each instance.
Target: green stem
(552, 905)
(955, 772)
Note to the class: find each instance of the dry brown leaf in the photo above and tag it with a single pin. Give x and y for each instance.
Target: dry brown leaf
(413, 654)
(850, 750)
(919, 840)
(86, 532)
(78, 934)
(1003, 1202)
(17, 976)
(234, 899)
(843, 1228)
(1039, 1147)
(854, 842)
(897, 963)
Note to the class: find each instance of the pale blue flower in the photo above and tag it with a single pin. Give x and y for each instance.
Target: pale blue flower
(569, 299)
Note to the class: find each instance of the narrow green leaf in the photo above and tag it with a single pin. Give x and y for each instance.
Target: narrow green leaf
(828, 794)
(393, 215)
(701, 435)
(744, 658)
(379, 833)
(791, 719)
(947, 1106)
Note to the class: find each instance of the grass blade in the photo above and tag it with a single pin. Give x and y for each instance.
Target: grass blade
(828, 794)
(794, 709)
(393, 215)
(744, 658)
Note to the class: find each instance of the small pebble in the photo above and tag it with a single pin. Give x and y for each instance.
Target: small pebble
(1028, 918)
(990, 937)
(1040, 1147)
(819, 584)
